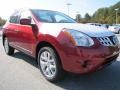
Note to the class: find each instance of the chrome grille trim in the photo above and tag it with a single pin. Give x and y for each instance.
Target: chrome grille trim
(108, 41)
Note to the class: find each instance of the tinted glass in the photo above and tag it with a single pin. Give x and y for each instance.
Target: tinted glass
(52, 17)
(15, 18)
(44, 17)
(25, 14)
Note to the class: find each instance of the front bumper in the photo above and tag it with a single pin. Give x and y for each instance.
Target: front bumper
(85, 60)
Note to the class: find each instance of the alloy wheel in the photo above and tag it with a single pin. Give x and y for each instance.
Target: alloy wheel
(48, 64)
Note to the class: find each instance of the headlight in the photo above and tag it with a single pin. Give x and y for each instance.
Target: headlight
(79, 38)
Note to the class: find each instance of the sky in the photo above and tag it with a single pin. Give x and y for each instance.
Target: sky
(78, 6)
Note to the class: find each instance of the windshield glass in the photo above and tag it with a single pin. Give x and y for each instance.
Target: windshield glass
(52, 17)
(116, 25)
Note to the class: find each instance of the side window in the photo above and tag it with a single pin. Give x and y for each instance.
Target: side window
(25, 14)
(15, 18)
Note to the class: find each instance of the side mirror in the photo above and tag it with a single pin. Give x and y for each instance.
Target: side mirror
(25, 21)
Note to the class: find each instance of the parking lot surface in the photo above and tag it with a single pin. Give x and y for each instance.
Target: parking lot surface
(20, 72)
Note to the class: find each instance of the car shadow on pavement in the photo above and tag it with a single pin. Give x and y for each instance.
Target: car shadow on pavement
(26, 58)
(106, 79)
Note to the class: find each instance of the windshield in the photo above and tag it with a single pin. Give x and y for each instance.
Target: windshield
(52, 17)
(116, 25)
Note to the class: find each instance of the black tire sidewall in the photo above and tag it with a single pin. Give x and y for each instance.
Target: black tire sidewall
(119, 32)
(10, 49)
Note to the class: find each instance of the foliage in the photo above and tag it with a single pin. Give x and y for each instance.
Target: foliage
(103, 15)
(78, 18)
(2, 21)
(87, 17)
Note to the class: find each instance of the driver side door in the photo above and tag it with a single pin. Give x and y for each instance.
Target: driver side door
(28, 34)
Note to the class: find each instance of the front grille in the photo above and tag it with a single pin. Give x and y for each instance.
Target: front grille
(109, 41)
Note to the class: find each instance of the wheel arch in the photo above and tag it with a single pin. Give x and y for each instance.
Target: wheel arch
(45, 44)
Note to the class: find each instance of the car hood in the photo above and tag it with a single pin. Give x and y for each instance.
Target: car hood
(93, 31)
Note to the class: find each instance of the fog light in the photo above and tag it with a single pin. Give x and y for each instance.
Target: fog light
(85, 63)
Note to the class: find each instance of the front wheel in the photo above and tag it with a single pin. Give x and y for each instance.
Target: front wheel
(8, 49)
(119, 32)
(49, 64)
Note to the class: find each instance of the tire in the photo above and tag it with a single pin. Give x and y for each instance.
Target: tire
(119, 32)
(8, 49)
(49, 65)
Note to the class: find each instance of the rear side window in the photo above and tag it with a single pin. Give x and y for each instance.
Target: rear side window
(15, 18)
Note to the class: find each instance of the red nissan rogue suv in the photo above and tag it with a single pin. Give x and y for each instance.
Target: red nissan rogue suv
(58, 43)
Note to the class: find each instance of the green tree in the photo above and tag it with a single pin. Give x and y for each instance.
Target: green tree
(78, 18)
(2, 21)
(106, 15)
(87, 17)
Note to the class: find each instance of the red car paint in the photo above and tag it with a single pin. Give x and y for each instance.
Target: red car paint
(76, 59)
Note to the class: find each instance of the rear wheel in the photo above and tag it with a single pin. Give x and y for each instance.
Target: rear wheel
(49, 64)
(8, 49)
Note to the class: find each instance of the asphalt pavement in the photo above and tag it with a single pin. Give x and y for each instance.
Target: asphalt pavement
(20, 72)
